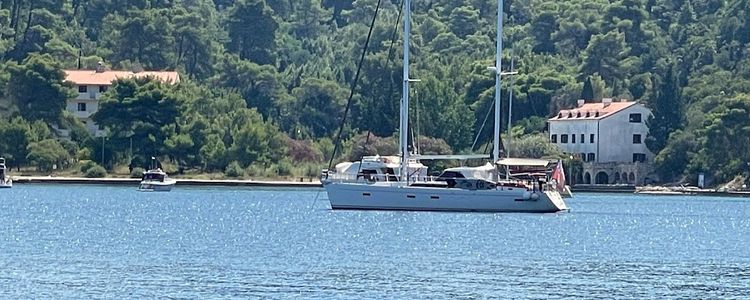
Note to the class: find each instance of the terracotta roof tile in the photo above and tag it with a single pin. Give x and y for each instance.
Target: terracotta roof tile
(591, 111)
(107, 77)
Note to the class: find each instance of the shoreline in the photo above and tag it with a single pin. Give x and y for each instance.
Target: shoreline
(184, 182)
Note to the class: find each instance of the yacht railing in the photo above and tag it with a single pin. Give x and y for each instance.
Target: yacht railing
(530, 185)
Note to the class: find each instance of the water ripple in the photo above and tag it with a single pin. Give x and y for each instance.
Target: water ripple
(112, 242)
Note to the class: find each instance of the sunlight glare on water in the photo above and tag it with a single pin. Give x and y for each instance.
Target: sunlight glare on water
(76, 241)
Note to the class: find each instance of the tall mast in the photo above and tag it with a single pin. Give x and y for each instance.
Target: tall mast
(404, 126)
(510, 113)
(498, 65)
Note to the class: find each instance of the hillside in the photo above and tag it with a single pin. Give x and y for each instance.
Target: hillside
(286, 67)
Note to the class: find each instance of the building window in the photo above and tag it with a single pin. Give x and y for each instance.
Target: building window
(639, 157)
(591, 138)
(102, 88)
(554, 138)
(583, 138)
(635, 118)
(82, 88)
(636, 139)
(81, 106)
(583, 156)
(564, 138)
(572, 138)
(591, 157)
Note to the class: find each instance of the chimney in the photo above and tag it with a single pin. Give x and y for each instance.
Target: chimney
(606, 102)
(100, 67)
(581, 102)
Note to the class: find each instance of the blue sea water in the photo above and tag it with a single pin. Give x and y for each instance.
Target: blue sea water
(104, 242)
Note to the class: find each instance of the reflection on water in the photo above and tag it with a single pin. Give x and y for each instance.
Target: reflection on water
(71, 241)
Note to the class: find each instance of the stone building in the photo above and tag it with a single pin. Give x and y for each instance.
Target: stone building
(609, 137)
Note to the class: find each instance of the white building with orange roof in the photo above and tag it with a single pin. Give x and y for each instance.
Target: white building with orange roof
(609, 137)
(90, 84)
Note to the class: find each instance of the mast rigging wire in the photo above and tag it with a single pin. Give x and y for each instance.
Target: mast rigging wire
(353, 86)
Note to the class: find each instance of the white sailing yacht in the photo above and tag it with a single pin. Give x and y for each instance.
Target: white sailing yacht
(405, 188)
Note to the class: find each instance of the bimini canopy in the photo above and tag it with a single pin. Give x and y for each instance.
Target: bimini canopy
(480, 172)
(523, 162)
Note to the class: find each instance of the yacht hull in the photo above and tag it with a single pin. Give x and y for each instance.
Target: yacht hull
(6, 184)
(390, 196)
(156, 186)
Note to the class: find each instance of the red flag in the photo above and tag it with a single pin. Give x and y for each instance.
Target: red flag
(559, 176)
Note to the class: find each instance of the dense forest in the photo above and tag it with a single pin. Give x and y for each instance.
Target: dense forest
(265, 83)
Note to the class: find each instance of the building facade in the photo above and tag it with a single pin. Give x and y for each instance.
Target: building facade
(90, 85)
(609, 137)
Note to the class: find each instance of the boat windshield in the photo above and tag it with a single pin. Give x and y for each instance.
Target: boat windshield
(153, 176)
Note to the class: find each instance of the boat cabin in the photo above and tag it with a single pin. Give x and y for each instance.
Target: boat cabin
(2, 168)
(154, 175)
(380, 168)
(468, 177)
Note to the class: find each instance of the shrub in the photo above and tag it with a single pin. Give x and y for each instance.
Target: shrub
(137, 172)
(284, 168)
(271, 172)
(256, 170)
(234, 170)
(86, 165)
(95, 172)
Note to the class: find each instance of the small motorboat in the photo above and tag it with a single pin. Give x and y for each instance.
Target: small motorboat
(5, 181)
(155, 180)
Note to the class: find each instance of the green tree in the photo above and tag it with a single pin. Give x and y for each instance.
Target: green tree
(46, 154)
(139, 110)
(534, 146)
(588, 90)
(196, 32)
(15, 137)
(542, 27)
(144, 36)
(667, 112)
(318, 107)
(725, 140)
(338, 6)
(181, 148)
(252, 31)
(671, 162)
(603, 56)
(254, 140)
(463, 21)
(258, 84)
(40, 74)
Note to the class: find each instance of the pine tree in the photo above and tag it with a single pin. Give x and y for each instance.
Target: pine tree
(666, 107)
(588, 90)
